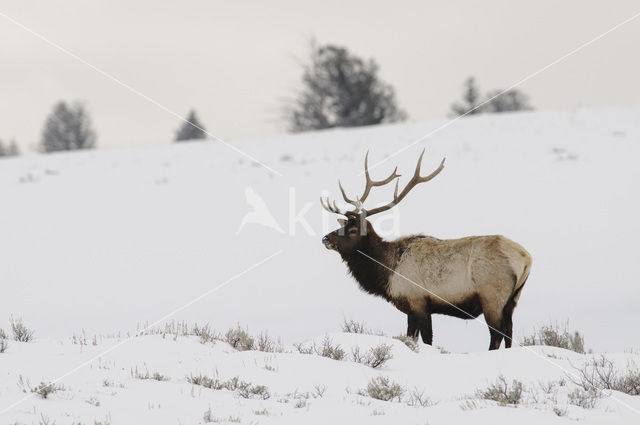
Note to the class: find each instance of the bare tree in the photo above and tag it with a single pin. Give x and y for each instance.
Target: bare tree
(192, 129)
(341, 90)
(68, 127)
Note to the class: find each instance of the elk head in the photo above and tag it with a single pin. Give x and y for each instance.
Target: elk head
(356, 230)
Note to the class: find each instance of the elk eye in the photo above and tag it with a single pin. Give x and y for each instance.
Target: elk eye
(353, 231)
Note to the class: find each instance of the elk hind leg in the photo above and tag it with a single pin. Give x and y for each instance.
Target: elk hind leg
(496, 330)
(496, 338)
(507, 322)
(412, 326)
(507, 315)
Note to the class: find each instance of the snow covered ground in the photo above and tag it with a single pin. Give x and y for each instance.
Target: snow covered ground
(300, 388)
(104, 241)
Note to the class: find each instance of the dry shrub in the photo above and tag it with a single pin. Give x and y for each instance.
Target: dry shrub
(376, 356)
(556, 336)
(503, 392)
(382, 388)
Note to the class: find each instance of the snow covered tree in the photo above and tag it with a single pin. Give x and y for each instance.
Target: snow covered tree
(68, 127)
(10, 150)
(341, 90)
(470, 99)
(13, 149)
(193, 129)
(509, 101)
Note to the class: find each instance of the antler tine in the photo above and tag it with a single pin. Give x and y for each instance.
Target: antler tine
(326, 204)
(416, 174)
(346, 198)
(373, 183)
(415, 180)
(324, 207)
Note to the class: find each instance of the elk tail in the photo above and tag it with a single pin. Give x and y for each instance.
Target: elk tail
(507, 311)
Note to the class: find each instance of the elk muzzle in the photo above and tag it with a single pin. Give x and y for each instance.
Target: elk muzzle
(327, 243)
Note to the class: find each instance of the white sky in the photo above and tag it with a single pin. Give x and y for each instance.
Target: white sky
(235, 62)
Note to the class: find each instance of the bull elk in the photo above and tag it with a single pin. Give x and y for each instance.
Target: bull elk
(422, 275)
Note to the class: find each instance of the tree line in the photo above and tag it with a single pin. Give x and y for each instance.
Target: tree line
(338, 89)
(69, 127)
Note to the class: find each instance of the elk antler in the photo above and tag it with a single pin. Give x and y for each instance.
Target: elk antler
(368, 184)
(357, 203)
(416, 179)
(326, 204)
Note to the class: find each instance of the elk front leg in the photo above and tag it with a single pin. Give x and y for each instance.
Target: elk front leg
(425, 329)
(420, 322)
(412, 326)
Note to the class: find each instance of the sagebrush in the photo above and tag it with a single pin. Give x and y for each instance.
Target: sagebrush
(601, 374)
(20, 332)
(375, 357)
(239, 339)
(242, 388)
(44, 390)
(587, 399)
(3, 341)
(156, 376)
(409, 341)
(556, 336)
(325, 349)
(353, 327)
(383, 388)
(503, 392)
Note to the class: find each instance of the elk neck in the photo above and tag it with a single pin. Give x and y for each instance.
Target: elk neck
(372, 276)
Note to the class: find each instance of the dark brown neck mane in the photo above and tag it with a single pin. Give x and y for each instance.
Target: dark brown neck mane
(372, 277)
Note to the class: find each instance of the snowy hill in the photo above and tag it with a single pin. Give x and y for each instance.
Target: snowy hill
(103, 241)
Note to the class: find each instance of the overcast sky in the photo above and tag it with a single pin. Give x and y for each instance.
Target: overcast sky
(236, 62)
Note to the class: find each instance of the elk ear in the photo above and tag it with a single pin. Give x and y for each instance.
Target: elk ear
(342, 222)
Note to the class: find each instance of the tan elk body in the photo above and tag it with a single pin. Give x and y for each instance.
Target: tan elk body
(422, 275)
